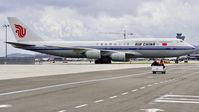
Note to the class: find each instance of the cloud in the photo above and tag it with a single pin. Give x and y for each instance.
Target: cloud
(83, 20)
(60, 23)
(85, 7)
(169, 17)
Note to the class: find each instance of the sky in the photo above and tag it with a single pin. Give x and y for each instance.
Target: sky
(85, 20)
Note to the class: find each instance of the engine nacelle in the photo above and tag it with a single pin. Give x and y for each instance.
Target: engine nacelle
(93, 54)
(119, 56)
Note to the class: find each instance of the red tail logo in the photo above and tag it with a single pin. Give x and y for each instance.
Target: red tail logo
(21, 31)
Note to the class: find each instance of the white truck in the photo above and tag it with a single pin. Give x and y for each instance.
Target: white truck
(158, 68)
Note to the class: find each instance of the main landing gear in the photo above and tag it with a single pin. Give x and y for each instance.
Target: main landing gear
(177, 60)
(103, 60)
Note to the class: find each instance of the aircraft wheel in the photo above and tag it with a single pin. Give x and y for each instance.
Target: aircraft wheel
(176, 61)
(103, 61)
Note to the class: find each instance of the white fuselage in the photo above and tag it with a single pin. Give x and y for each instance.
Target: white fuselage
(144, 47)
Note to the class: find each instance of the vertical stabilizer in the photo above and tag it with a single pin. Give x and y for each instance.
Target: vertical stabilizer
(22, 32)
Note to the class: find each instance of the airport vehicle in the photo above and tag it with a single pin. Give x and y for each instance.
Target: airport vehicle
(102, 51)
(158, 68)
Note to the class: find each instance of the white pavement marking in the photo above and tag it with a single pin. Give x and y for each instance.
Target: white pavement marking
(181, 99)
(125, 93)
(149, 85)
(156, 83)
(80, 106)
(142, 87)
(67, 84)
(178, 99)
(112, 97)
(98, 101)
(150, 77)
(62, 111)
(5, 106)
(175, 101)
(134, 90)
(152, 110)
(166, 81)
(189, 96)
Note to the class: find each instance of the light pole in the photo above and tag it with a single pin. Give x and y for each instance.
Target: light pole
(6, 51)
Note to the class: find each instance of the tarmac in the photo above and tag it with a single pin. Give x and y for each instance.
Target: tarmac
(131, 89)
(23, 71)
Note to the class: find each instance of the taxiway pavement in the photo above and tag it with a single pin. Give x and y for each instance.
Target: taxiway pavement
(124, 90)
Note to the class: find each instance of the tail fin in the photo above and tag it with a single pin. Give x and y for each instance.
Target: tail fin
(22, 32)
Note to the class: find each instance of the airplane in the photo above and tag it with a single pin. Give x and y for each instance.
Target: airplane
(103, 52)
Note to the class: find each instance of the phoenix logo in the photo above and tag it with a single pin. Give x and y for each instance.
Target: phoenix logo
(21, 31)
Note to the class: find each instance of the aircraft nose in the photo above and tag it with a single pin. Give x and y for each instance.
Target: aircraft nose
(192, 47)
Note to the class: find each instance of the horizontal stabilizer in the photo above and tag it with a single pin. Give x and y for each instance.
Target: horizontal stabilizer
(19, 44)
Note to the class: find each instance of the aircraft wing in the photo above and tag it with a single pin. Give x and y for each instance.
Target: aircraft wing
(67, 47)
(16, 44)
(81, 50)
(130, 54)
(76, 49)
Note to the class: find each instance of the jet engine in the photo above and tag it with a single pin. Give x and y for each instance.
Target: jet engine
(93, 54)
(119, 56)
